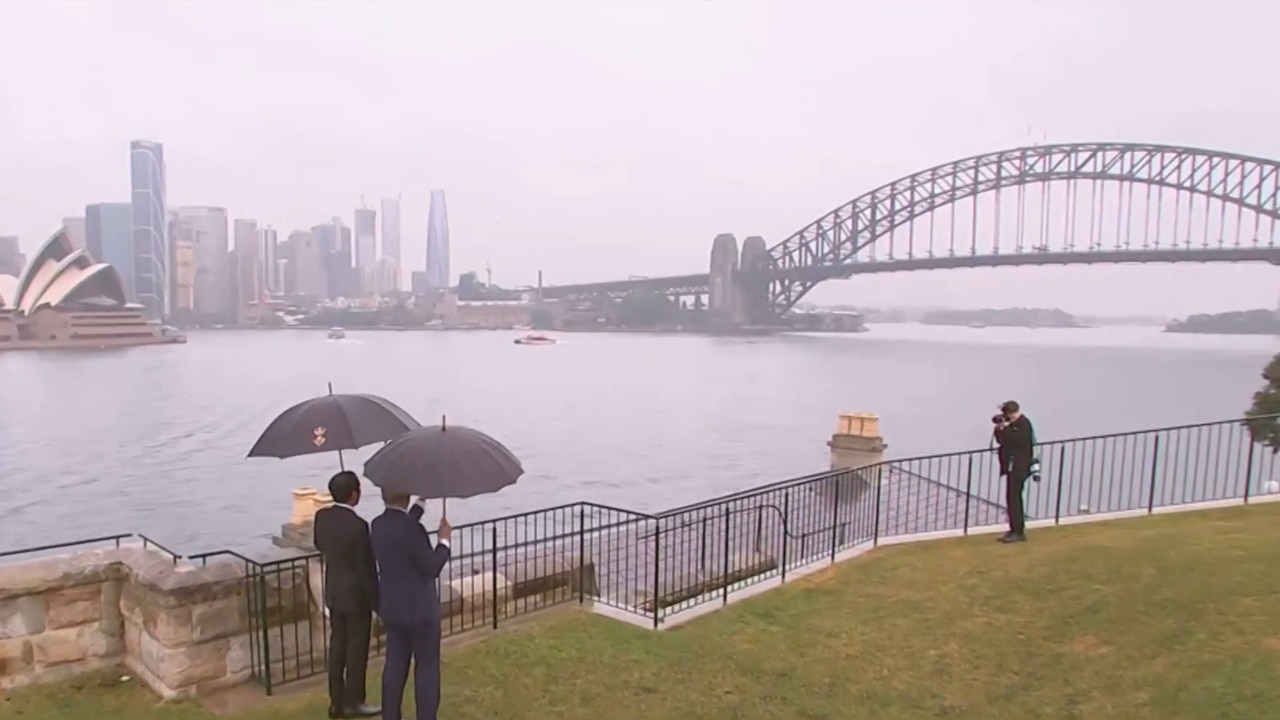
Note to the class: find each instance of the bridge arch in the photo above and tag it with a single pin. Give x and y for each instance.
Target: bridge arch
(1247, 182)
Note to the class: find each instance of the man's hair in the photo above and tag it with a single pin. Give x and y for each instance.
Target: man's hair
(1010, 406)
(395, 499)
(344, 486)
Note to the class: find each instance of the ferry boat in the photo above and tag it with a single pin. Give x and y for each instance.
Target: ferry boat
(535, 339)
(337, 333)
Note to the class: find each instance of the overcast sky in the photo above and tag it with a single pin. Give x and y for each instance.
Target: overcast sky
(598, 140)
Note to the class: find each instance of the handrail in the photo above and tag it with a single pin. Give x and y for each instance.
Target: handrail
(638, 516)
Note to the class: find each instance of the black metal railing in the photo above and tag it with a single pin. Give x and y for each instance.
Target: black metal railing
(656, 566)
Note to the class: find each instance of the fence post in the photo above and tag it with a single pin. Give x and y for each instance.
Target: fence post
(1155, 460)
(835, 518)
(1248, 471)
(968, 494)
(657, 572)
(1062, 465)
(786, 514)
(493, 571)
(875, 540)
(728, 523)
(266, 635)
(759, 527)
(582, 554)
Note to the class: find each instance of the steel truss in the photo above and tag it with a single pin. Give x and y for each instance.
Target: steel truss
(838, 237)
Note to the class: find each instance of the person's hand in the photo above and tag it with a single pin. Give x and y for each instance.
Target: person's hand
(446, 530)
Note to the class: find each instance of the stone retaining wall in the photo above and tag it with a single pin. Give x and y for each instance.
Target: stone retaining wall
(179, 629)
(184, 629)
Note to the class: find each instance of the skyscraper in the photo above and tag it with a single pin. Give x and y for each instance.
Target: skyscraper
(391, 228)
(248, 267)
(150, 227)
(11, 259)
(75, 231)
(108, 236)
(213, 286)
(366, 229)
(306, 269)
(272, 283)
(438, 242)
(334, 240)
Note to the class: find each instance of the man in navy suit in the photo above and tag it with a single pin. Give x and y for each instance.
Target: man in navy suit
(408, 568)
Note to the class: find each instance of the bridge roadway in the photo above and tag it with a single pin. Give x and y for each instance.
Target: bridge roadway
(699, 283)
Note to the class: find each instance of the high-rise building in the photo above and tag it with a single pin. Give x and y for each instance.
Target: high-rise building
(11, 259)
(438, 241)
(334, 240)
(75, 231)
(150, 227)
(212, 295)
(248, 267)
(366, 229)
(182, 265)
(385, 277)
(305, 272)
(391, 229)
(108, 236)
(269, 259)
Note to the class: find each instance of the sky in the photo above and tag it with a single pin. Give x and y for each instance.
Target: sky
(599, 140)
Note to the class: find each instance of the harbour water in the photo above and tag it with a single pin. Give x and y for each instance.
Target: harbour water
(152, 440)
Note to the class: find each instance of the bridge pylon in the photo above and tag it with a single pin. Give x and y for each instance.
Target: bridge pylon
(753, 282)
(722, 298)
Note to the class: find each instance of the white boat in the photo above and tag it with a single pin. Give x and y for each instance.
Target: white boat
(535, 339)
(337, 333)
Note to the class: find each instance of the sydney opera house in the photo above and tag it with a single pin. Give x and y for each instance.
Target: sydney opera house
(65, 299)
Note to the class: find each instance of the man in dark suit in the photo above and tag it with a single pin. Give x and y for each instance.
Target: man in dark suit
(350, 593)
(1017, 442)
(409, 567)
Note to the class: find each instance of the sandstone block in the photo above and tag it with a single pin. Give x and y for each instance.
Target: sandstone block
(44, 574)
(219, 619)
(58, 647)
(168, 624)
(16, 657)
(22, 616)
(177, 668)
(74, 606)
(239, 654)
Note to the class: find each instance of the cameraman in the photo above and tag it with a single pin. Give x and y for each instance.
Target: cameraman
(1017, 439)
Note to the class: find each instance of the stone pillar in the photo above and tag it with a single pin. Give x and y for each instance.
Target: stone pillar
(723, 295)
(752, 282)
(297, 533)
(856, 442)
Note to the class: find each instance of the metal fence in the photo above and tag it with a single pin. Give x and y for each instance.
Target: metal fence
(654, 567)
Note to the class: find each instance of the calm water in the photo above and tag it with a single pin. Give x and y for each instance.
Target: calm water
(153, 440)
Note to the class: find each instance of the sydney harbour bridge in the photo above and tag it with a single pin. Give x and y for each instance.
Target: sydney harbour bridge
(1065, 204)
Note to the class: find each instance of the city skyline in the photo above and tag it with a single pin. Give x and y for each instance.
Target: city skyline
(596, 177)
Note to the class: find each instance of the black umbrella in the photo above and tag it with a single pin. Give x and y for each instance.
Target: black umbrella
(333, 422)
(444, 461)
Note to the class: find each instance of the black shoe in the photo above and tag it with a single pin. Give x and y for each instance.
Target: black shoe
(1013, 538)
(334, 712)
(361, 711)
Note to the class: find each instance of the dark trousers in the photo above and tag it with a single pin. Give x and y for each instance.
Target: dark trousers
(419, 643)
(1015, 482)
(348, 656)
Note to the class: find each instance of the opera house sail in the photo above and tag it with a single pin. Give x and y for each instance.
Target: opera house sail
(65, 299)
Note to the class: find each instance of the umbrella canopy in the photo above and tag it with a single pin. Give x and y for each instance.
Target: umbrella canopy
(442, 461)
(333, 422)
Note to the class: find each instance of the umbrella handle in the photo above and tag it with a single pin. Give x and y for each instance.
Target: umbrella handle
(444, 508)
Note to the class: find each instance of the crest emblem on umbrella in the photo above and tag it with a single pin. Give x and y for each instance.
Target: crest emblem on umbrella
(317, 436)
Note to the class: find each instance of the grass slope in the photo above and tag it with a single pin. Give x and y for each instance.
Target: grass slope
(1169, 617)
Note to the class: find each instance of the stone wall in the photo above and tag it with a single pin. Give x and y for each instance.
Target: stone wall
(180, 629)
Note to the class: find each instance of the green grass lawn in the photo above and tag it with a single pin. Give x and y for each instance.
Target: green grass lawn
(1169, 617)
